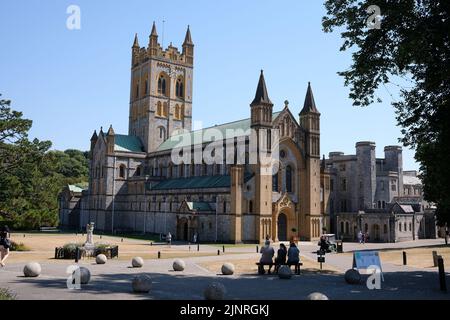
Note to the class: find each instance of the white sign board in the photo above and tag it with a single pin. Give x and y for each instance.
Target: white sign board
(367, 260)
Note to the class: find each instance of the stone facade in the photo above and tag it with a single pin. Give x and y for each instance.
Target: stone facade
(136, 186)
(375, 196)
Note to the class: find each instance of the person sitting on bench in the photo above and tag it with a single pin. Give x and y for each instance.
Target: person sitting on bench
(267, 253)
(281, 256)
(293, 254)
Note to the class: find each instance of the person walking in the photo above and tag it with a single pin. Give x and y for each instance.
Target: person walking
(5, 245)
(169, 238)
(360, 237)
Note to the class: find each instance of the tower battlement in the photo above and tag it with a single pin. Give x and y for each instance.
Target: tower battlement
(170, 54)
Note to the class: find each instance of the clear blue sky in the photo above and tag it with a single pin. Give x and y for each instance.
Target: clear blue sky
(72, 82)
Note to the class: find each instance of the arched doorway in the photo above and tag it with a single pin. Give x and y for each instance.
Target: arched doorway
(376, 232)
(282, 227)
(183, 229)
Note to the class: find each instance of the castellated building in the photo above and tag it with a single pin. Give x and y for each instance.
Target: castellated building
(376, 196)
(135, 186)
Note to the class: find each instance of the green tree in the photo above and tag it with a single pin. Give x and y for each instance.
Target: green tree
(31, 176)
(412, 45)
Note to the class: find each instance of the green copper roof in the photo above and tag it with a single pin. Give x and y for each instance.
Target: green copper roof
(222, 181)
(196, 137)
(199, 206)
(127, 143)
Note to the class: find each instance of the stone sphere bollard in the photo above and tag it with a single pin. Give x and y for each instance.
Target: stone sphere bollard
(316, 296)
(137, 262)
(101, 259)
(85, 275)
(141, 283)
(228, 269)
(32, 269)
(215, 291)
(284, 272)
(179, 265)
(352, 276)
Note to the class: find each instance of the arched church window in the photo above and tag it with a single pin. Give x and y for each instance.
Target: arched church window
(177, 112)
(137, 91)
(179, 88)
(159, 109)
(122, 171)
(146, 87)
(165, 110)
(275, 182)
(162, 86)
(289, 179)
(162, 133)
(138, 171)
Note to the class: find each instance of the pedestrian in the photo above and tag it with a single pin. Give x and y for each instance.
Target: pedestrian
(360, 237)
(195, 238)
(5, 245)
(169, 238)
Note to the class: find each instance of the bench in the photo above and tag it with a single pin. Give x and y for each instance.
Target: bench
(277, 266)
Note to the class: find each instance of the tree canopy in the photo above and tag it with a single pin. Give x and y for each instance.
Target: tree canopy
(31, 176)
(412, 45)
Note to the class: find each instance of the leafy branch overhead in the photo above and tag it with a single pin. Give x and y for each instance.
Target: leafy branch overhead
(412, 44)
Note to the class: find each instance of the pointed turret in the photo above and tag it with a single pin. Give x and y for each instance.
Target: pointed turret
(309, 106)
(154, 33)
(188, 38)
(261, 106)
(110, 139)
(188, 47)
(94, 139)
(111, 131)
(261, 96)
(136, 41)
(153, 41)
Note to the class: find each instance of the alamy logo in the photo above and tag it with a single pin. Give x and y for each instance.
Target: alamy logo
(374, 20)
(74, 280)
(73, 22)
(374, 280)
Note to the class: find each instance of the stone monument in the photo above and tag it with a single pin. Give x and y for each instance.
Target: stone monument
(89, 245)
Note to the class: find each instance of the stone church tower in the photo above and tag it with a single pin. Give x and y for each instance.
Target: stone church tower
(261, 122)
(161, 90)
(310, 193)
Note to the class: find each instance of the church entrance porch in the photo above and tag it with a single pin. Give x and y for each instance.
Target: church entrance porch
(282, 227)
(284, 219)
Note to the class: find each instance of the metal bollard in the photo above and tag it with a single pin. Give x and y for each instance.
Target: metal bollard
(159, 254)
(77, 254)
(223, 249)
(442, 282)
(404, 259)
(257, 251)
(218, 252)
(198, 246)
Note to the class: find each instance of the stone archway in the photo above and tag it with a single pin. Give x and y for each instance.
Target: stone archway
(284, 219)
(183, 229)
(282, 227)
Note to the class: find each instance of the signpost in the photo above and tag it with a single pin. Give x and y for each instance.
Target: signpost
(367, 260)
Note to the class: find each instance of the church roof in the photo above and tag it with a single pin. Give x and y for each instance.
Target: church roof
(220, 181)
(261, 96)
(127, 143)
(238, 128)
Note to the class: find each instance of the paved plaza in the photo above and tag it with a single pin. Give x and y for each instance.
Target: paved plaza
(113, 280)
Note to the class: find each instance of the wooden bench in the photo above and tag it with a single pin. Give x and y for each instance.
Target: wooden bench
(277, 266)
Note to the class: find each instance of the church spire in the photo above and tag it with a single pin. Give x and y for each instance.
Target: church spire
(188, 38)
(309, 106)
(154, 33)
(136, 41)
(261, 96)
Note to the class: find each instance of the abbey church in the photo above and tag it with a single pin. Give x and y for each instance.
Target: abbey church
(134, 186)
